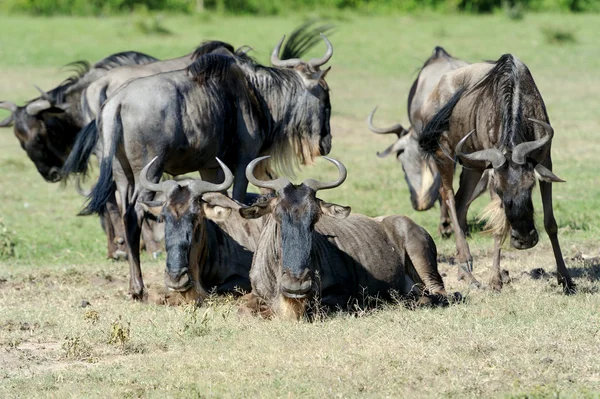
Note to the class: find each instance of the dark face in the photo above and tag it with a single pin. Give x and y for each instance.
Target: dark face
(319, 119)
(46, 138)
(421, 175)
(182, 215)
(296, 210)
(514, 184)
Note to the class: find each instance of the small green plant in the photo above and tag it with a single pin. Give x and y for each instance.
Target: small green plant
(514, 11)
(120, 333)
(91, 316)
(197, 321)
(558, 35)
(75, 348)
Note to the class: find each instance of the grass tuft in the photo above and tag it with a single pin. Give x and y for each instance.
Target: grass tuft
(558, 35)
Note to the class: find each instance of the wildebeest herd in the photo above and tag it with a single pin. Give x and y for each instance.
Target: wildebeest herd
(221, 113)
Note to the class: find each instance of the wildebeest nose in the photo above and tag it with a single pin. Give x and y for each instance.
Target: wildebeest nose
(295, 285)
(54, 174)
(176, 273)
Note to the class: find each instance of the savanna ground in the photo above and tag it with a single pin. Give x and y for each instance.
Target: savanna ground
(528, 341)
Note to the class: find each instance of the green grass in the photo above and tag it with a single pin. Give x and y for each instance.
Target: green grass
(528, 341)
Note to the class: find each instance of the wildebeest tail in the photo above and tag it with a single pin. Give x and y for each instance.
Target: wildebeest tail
(429, 139)
(104, 188)
(79, 157)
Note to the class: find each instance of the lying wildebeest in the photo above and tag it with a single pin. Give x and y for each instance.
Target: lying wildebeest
(46, 126)
(209, 245)
(309, 248)
(509, 148)
(220, 106)
(421, 173)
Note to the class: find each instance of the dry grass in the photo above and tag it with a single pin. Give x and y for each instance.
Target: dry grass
(68, 329)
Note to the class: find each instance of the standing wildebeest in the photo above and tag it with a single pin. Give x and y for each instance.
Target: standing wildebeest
(96, 93)
(220, 106)
(209, 245)
(510, 148)
(421, 173)
(309, 248)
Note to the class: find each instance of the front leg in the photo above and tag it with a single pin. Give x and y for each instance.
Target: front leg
(240, 185)
(552, 229)
(465, 259)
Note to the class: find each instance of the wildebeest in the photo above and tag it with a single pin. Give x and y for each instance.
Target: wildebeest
(96, 93)
(209, 245)
(220, 106)
(421, 173)
(509, 147)
(46, 126)
(310, 248)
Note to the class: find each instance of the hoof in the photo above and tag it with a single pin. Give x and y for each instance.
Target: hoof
(496, 284)
(464, 274)
(568, 286)
(445, 229)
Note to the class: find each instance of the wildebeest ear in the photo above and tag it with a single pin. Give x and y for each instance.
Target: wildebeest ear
(152, 209)
(257, 210)
(334, 210)
(216, 212)
(482, 185)
(544, 174)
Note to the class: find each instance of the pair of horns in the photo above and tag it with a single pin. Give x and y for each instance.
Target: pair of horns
(281, 182)
(197, 187)
(519, 153)
(398, 129)
(314, 62)
(33, 108)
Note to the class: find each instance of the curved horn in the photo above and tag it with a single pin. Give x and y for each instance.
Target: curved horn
(492, 155)
(199, 187)
(43, 94)
(398, 129)
(520, 152)
(148, 185)
(276, 184)
(317, 185)
(37, 106)
(12, 107)
(283, 63)
(317, 62)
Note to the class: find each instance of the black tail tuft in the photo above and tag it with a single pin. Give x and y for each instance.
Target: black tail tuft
(78, 159)
(429, 139)
(102, 190)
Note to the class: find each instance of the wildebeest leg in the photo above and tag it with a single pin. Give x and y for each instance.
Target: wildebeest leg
(468, 181)
(115, 227)
(445, 227)
(552, 229)
(465, 259)
(132, 222)
(496, 281)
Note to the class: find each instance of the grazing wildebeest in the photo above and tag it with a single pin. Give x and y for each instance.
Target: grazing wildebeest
(220, 106)
(309, 248)
(209, 245)
(421, 173)
(509, 147)
(46, 126)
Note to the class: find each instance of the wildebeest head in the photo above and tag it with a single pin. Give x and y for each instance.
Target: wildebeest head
(40, 128)
(312, 107)
(295, 210)
(183, 213)
(420, 172)
(513, 176)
